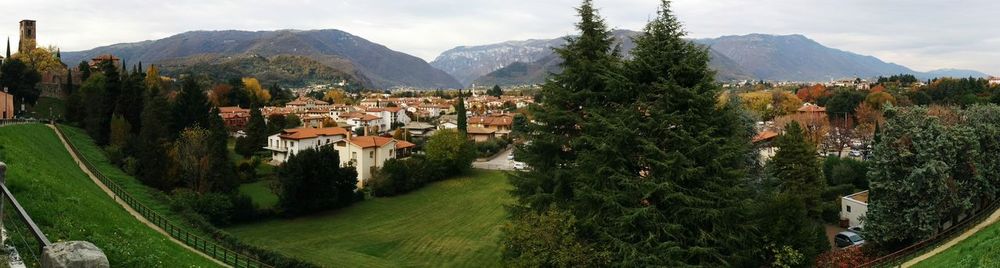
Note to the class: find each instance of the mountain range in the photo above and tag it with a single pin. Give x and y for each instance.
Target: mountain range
(351, 57)
(296, 57)
(753, 56)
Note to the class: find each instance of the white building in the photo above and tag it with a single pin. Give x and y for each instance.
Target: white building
(291, 141)
(994, 81)
(390, 115)
(853, 208)
(365, 153)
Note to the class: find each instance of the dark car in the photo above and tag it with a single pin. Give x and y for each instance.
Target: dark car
(846, 239)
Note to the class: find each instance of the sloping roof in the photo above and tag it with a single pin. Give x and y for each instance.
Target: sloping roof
(418, 125)
(765, 135)
(479, 130)
(370, 141)
(307, 133)
(810, 108)
(233, 109)
(404, 145)
(501, 120)
(860, 197)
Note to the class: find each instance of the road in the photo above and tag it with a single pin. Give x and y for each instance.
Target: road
(499, 162)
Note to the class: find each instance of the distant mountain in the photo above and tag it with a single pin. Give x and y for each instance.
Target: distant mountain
(754, 56)
(797, 58)
(289, 70)
(531, 61)
(955, 73)
(341, 51)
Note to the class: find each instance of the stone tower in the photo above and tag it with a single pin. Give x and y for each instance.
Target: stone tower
(27, 36)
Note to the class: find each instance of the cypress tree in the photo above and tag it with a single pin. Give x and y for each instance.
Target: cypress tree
(153, 158)
(463, 125)
(84, 70)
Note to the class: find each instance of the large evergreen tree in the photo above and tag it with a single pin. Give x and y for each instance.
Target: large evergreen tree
(797, 170)
(256, 135)
(20, 80)
(154, 138)
(640, 153)
(191, 106)
(309, 183)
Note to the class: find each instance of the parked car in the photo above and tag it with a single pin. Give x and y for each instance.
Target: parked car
(847, 239)
(855, 153)
(858, 230)
(519, 166)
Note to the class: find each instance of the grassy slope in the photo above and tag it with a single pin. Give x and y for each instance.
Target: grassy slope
(155, 199)
(67, 205)
(260, 193)
(979, 250)
(449, 223)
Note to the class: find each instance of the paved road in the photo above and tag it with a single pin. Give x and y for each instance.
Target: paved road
(499, 162)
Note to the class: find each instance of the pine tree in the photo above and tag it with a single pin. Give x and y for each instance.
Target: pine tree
(191, 106)
(463, 126)
(223, 171)
(798, 171)
(153, 158)
(256, 135)
(588, 60)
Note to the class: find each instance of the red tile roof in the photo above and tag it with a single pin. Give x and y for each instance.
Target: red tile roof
(404, 145)
(765, 135)
(370, 141)
(307, 133)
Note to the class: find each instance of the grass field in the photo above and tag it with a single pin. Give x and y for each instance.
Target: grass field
(446, 224)
(980, 250)
(261, 194)
(67, 205)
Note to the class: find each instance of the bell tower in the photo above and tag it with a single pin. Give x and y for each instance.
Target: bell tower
(27, 41)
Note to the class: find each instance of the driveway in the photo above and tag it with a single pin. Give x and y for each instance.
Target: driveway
(499, 162)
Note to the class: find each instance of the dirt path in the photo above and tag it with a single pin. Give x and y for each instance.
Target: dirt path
(128, 208)
(989, 221)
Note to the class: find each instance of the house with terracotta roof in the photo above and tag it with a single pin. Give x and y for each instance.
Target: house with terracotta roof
(480, 134)
(500, 124)
(419, 129)
(367, 122)
(367, 154)
(994, 81)
(764, 144)
(811, 108)
(853, 209)
(291, 141)
(234, 117)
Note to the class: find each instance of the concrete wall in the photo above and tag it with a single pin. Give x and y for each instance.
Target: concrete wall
(857, 210)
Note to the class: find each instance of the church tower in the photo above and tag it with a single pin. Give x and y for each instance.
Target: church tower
(27, 36)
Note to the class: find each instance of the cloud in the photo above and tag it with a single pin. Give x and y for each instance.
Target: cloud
(921, 34)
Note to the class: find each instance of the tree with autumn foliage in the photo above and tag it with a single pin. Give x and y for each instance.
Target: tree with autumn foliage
(877, 99)
(258, 95)
(813, 93)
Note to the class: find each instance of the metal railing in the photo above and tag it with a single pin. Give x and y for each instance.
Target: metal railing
(898, 257)
(23, 241)
(16, 121)
(206, 246)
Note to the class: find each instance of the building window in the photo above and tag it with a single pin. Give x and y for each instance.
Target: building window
(848, 208)
(371, 154)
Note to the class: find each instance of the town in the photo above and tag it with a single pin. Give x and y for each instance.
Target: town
(605, 147)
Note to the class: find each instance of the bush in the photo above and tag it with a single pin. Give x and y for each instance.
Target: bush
(491, 147)
(312, 181)
(451, 152)
(399, 176)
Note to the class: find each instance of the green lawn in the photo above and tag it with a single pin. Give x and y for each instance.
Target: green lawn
(980, 250)
(67, 205)
(449, 223)
(151, 197)
(261, 194)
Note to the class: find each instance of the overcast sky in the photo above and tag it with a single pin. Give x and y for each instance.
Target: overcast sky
(920, 34)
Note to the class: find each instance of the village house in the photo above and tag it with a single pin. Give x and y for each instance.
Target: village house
(369, 123)
(390, 115)
(234, 117)
(291, 141)
(853, 209)
(6, 105)
(994, 81)
(500, 124)
(764, 144)
(481, 134)
(419, 129)
(367, 154)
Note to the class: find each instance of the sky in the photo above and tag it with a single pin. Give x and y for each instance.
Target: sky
(920, 34)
